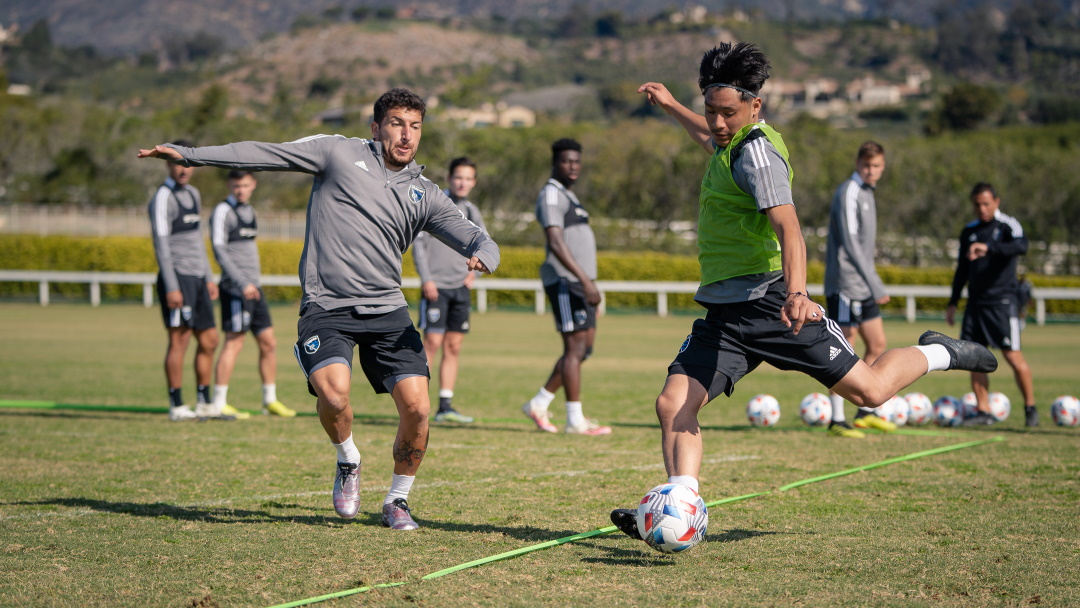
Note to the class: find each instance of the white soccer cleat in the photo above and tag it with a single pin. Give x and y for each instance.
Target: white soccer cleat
(347, 489)
(540, 417)
(180, 413)
(589, 427)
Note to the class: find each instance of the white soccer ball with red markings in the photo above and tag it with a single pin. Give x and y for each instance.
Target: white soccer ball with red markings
(815, 409)
(900, 410)
(1000, 406)
(920, 408)
(672, 518)
(948, 411)
(969, 405)
(763, 410)
(1065, 410)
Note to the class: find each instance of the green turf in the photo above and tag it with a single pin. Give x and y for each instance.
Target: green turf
(115, 506)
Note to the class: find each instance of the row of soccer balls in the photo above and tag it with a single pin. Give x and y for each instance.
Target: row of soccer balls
(913, 408)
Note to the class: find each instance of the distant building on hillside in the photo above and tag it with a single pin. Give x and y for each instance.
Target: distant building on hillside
(492, 115)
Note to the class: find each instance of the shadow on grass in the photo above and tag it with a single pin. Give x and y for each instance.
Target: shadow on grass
(738, 534)
(159, 509)
(529, 533)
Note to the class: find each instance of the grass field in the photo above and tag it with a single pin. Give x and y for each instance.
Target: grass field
(105, 507)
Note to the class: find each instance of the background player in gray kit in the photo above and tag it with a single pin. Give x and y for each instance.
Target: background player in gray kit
(568, 274)
(368, 203)
(989, 248)
(853, 289)
(185, 287)
(243, 306)
(445, 286)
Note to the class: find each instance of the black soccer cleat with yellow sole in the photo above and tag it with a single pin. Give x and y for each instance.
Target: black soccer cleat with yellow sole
(963, 354)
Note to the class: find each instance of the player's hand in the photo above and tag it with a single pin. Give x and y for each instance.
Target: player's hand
(657, 94)
(174, 299)
(251, 292)
(977, 250)
(211, 288)
(469, 280)
(160, 152)
(429, 291)
(799, 309)
(476, 264)
(885, 299)
(592, 294)
(950, 315)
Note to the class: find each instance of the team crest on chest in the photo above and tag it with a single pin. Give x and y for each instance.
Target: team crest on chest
(416, 194)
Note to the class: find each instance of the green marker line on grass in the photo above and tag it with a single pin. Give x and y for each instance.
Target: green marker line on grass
(610, 529)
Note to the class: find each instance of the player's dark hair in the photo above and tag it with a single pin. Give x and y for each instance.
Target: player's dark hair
(870, 149)
(983, 187)
(563, 145)
(398, 98)
(743, 65)
(461, 161)
(239, 173)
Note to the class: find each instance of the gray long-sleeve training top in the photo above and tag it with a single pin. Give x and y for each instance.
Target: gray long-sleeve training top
(438, 263)
(175, 227)
(849, 258)
(361, 217)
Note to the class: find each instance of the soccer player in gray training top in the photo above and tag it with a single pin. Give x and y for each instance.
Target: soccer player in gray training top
(989, 248)
(753, 276)
(368, 203)
(568, 274)
(853, 289)
(445, 285)
(243, 307)
(185, 287)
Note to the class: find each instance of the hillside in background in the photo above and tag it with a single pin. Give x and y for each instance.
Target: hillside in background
(138, 26)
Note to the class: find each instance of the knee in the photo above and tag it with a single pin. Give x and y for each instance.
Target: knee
(668, 408)
(451, 349)
(868, 396)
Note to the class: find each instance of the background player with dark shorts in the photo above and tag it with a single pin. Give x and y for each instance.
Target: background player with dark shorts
(243, 308)
(853, 289)
(369, 201)
(569, 277)
(445, 286)
(989, 248)
(185, 288)
(753, 276)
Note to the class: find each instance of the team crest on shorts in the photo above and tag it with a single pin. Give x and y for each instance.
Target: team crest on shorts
(185, 312)
(686, 343)
(465, 326)
(312, 344)
(580, 316)
(416, 194)
(433, 315)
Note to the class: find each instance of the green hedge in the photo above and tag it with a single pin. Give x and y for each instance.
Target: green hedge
(127, 254)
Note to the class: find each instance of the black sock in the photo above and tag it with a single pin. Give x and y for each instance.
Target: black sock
(204, 393)
(175, 399)
(444, 404)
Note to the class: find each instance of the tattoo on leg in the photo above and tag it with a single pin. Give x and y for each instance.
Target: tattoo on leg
(405, 453)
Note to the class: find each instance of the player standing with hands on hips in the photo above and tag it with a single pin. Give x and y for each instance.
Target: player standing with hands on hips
(368, 203)
(753, 276)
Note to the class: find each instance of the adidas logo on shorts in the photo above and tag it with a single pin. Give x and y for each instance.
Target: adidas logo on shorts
(833, 351)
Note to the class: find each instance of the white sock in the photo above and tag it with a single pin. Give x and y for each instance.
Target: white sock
(542, 399)
(221, 392)
(269, 393)
(445, 393)
(684, 480)
(937, 357)
(574, 417)
(399, 487)
(347, 452)
(837, 407)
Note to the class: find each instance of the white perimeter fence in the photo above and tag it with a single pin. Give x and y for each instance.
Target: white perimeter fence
(661, 288)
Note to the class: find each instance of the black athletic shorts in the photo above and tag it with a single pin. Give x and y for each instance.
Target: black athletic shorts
(572, 312)
(390, 348)
(450, 312)
(851, 313)
(993, 325)
(197, 311)
(238, 314)
(733, 339)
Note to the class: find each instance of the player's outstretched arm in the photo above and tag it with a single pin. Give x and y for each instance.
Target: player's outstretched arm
(695, 125)
(798, 309)
(160, 152)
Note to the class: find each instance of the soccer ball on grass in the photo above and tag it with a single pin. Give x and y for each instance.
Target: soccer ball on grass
(672, 518)
(1065, 410)
(948, 411)
(763, 410)
(816, 409)
(920, 408)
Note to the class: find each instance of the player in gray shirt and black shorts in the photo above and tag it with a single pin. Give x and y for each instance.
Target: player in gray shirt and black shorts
(446, 298)
(369, 201)
(569, 277)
